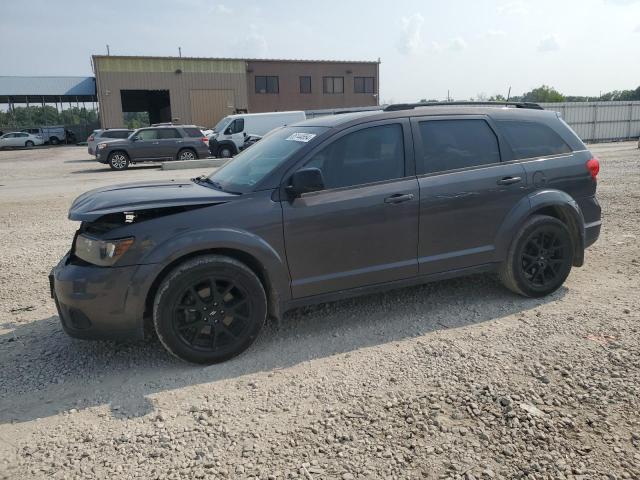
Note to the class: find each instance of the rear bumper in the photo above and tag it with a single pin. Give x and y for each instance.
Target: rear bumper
(591, 233)
(97, 302)
(91, 151)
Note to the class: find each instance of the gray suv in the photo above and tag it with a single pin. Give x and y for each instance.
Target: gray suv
(327, 209)
(166, 142)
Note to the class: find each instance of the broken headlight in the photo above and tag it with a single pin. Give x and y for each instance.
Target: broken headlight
(103, 253)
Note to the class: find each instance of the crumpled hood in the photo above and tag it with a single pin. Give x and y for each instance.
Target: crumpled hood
(130, 197)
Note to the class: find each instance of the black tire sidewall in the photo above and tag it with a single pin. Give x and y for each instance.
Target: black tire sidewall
(225, 148)
(29, 144)
(185, 275)
(116, 168)
(515, 262)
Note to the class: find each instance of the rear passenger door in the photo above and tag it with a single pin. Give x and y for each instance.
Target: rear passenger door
(170, 141)
(465, 191)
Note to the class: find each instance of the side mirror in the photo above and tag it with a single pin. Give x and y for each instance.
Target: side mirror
(134, 139)
(304, 181)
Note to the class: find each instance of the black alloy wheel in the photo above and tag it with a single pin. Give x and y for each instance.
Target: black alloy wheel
(209, 309)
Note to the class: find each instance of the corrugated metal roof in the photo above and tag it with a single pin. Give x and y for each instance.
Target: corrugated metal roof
(294, 60)
(58, 86)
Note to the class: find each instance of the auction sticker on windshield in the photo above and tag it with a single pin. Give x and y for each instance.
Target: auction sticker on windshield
(300, 137)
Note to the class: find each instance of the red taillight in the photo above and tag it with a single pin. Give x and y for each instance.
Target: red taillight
(593, 166)
(91, 138)
(205, 140)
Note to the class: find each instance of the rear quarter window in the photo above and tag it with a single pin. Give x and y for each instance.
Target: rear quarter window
(193, 132)
(530, 139)
(454, 144)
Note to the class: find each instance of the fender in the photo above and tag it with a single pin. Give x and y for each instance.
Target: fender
(563, 206)
(274, 267)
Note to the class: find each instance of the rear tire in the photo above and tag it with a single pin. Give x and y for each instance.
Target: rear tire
(539, 259)
(209, 309)
(119, 161)
(29, 144)
(54, 141)
(187, 154)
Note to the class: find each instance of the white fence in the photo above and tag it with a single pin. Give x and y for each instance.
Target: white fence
(600, 121)
(592, 121)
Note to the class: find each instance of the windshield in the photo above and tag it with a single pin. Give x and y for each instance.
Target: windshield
(253, 164)
(221, 124)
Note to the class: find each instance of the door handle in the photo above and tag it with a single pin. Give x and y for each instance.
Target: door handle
(399, 198)
(509, 180)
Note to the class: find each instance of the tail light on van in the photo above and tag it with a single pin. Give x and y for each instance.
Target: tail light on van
(593, 166)
(91, 138)
(205, 140)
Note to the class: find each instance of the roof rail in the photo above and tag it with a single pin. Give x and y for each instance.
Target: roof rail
(410, 106)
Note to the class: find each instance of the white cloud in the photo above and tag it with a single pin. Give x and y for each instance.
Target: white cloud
(491, 33)
(637, 29)
(221, 9)
(549, 43)
(436, 47)
(252, 45)
(621, 2)
(411, 34)
(516, 7)
(457, 44)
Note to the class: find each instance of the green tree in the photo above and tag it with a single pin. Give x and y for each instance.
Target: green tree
(543, 94)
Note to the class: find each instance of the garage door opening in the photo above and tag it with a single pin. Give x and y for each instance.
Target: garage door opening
(156, 104)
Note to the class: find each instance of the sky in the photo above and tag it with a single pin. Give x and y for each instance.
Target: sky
(426, 48)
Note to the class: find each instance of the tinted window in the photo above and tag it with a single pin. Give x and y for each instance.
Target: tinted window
(305, 84)
(333, 84)
(451, 144)
(193, 132)
(168, 133)
(267, 84)
(528, 139)
(237, 126)
(151, 134)
(363, 84)
(116, 134)
(369, 155)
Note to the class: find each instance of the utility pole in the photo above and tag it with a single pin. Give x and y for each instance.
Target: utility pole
(509, 94)
(180, 51)
(108, 51)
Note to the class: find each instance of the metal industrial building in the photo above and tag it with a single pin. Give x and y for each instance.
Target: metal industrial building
(202, 90)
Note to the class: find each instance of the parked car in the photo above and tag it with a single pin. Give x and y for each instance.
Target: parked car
(166, 142)
(100, 135)
(327, 209)
(51, 135)
(231, 133)
(20, 139)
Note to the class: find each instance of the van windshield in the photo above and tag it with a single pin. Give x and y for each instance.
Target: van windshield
(252, 165)
(221, 125)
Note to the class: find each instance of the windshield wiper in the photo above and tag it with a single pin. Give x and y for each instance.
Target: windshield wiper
(213, 183)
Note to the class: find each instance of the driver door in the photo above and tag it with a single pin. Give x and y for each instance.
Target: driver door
(362, 228)
(147, 145)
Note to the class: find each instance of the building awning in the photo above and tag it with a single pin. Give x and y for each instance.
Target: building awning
(47, 89)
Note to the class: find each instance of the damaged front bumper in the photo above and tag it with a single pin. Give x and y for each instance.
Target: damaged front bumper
(100, 302)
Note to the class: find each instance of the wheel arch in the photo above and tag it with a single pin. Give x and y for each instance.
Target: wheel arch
(248, 259)
(554, 203)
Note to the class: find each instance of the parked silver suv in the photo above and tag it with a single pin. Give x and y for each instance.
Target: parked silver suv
(98, 136)
(166, 142)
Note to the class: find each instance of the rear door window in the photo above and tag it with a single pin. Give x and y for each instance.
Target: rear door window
(369, 155)
(530, 139)
(168, 133)
(150, 134)
(453, 144)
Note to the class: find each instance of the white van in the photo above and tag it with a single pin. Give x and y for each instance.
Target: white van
(229, 135)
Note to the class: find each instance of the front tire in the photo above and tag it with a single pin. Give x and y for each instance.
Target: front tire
(29, 144)
(209, 309)
(539, 259)
(225, 152)
(119, 161)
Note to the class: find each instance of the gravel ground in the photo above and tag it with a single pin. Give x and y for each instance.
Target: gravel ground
(458, 379)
